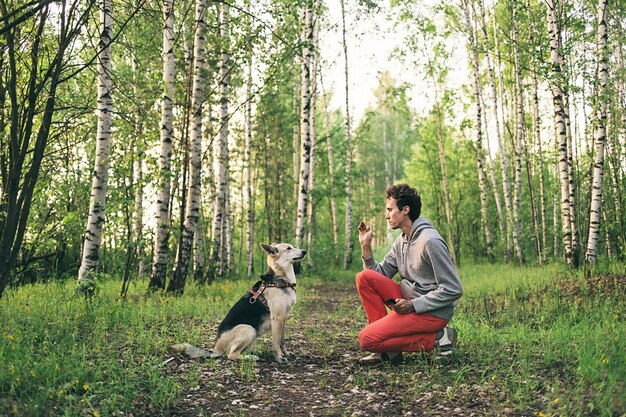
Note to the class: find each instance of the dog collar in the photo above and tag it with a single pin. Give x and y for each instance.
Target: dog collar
(258, 294)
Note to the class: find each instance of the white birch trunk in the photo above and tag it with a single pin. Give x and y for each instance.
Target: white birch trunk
(138, 183)
(192, 205)
(446, 187)
(504, 161)
(249, 202)
(305, 120)
(313, 134)
(542, 194)
(571, 182)
(599, 134)
(331, 171)
(162, 225)
(198, 251)
(97, 200)
(218, 263)
(560, 129)
(519, 140)
(482, 181)
(349, 244)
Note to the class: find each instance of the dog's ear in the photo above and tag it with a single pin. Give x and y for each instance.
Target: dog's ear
(270, 250)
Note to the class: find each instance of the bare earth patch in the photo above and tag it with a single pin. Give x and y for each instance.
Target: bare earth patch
(324, 379)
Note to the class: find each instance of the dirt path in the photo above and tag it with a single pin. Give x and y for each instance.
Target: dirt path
(323, 379)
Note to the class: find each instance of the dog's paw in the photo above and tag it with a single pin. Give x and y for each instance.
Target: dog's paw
(288, 354)
(282, 359)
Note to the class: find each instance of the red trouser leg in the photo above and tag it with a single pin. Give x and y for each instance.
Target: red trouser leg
(392, 332)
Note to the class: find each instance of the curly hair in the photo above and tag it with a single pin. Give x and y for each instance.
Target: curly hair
(406, 195)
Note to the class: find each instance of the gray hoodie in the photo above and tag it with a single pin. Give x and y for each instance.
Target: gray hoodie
(429, 278)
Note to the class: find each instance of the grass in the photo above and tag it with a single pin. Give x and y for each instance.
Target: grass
(539, 340)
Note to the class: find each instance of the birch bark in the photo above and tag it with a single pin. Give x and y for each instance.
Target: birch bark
(599, 133)
(560, 129)
(305, 122)
(192, 205)
(504, 161)
(95, 221)
(162, 225)
(218, 261)
(482, 181)
(519, 139)
(349, 244)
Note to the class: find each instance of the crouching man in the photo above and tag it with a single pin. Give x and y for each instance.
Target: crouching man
(423, 302)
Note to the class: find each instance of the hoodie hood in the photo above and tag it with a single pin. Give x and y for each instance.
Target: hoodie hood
(420, 224)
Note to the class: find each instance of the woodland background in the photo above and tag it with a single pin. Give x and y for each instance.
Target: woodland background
(148, 147)
(159, 140)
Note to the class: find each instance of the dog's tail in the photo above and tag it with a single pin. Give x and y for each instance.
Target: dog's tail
(191, 351)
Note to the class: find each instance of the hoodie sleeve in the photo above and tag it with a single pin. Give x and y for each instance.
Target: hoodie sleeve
(388, 267)
(448, 283)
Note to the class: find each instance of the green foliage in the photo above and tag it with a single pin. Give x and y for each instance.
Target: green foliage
(532, 339)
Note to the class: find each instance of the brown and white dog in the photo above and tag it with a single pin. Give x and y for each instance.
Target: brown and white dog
(266, 306)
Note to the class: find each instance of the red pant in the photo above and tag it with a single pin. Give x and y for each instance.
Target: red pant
(392, 332)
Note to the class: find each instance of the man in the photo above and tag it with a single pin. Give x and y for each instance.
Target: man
(423, 302)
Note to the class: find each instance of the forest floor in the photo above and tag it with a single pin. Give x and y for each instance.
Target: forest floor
(324, 378)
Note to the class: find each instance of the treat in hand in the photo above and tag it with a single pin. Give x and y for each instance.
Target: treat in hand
(362, 226)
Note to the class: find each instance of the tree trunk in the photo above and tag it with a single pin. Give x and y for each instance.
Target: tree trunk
(95, 221)
(313, 135)
(162, 225)
(138, 183)
(349, 244)
(560, 129)
(192, 205)
(542, 193)
(504, 162)
(218, 263)
(247, 188)
(331, 172)
(198, 250)
(444, 180)
(28, 103)
(519, 140)
(305, 122)
(599, 134)
(482, 181)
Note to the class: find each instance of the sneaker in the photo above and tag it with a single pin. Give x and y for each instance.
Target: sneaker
(446, 344)
(374, 358)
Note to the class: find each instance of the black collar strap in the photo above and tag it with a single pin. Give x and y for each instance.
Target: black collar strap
(258, 294)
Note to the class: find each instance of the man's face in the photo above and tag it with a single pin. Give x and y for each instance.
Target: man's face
(394, 216)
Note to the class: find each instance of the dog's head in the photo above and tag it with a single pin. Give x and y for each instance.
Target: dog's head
(283, 254)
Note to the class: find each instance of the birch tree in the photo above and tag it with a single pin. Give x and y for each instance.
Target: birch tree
(331, 172)
(556, 84)
(162, 225)
(95, 221)
(247, 188)
(218, 261)
(313, 138)
(349, 244)
(599, 133)
(482, 181)
(305, 121)
(504, 160)
(519, 139)
(192, 208)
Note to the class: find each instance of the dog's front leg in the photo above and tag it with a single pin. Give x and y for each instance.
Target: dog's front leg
(278, 326)
(282, 340)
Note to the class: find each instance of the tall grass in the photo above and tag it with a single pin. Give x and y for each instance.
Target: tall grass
(545, 339)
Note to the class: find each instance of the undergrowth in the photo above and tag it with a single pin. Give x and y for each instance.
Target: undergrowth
(542, 338)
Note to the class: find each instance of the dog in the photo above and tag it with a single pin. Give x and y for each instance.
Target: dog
(265, 307)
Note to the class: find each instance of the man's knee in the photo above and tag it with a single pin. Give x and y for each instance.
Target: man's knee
(364, 276)
(367, 341)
